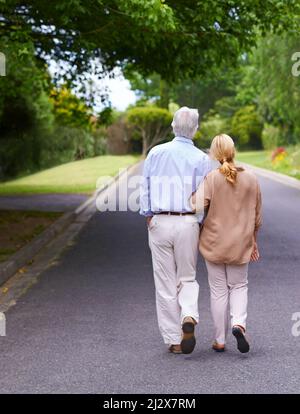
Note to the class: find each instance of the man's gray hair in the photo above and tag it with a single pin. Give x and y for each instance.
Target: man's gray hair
(185, 122)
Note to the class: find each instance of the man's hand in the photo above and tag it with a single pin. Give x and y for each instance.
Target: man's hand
(255, 253)
(148, 219)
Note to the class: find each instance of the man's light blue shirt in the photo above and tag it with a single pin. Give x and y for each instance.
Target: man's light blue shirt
(172, 172)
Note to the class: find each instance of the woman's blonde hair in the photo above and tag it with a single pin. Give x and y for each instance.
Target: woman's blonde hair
(222, 149)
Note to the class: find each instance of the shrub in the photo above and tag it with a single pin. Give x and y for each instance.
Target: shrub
(247, 128)
(67, 144)
(212, 125)
(270, 136)
(295, 158)
(99, 141)
(69, 110)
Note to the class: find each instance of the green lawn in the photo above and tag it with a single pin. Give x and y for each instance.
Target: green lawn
(289, 166)
(259, 158)
(74, 177)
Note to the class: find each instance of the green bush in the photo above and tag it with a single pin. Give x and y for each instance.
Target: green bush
(67, 144)
(270, 137)
(246, 127)
(226, 106)
(26, 118)
(212, 125)
(99, 141)
(295, 158)
(69, 110)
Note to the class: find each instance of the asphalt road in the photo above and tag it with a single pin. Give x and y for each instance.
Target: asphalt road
(89, 324)
(42, 202)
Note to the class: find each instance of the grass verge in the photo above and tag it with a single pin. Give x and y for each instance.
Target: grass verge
(289, 164)
(74, 177)
(18, 228)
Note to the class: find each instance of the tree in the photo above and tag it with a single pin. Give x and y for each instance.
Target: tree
(70, 110)
(147, 89)
(212, 125)
(270, 85)
(151, 124)
(174, 39)
(26, 118)
(202, 93)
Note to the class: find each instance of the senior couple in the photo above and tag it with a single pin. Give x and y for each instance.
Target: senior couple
(189, 203)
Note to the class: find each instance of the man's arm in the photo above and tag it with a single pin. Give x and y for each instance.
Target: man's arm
(145, 203)
(200, 199)
(207, 166)
(203, 168)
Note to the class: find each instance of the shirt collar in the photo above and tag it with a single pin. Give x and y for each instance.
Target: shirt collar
(183, 139)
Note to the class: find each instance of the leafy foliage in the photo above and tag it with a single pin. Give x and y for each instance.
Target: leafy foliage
(25, 111)
(172, 38)
(198, 53)
(271, 136)
(212, 125)
(202, 93)
(247, 127)
(69, 110)
(277, 90)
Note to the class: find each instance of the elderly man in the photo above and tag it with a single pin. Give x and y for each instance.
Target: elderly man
(172, 172)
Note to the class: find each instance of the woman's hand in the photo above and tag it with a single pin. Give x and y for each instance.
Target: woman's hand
(255, 253)
(192, 201)
(148, 220)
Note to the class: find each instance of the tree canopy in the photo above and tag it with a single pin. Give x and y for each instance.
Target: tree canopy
(231, 59)
(173, 38)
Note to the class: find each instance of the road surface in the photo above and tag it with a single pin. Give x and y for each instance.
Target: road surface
(42, 202)
(89, 324)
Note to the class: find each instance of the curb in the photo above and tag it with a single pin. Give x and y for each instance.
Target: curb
(26, 254)
(272, 175)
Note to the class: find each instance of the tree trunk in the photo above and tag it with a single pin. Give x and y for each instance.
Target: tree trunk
(164, 94)
(145, 145)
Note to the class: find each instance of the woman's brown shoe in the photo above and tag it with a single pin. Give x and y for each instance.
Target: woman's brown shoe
(218, 347)
(175, 349)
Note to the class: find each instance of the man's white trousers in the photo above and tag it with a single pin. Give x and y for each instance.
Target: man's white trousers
(173, 241)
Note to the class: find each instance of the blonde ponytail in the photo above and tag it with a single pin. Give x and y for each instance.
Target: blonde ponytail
(222, 149)
(229, 170)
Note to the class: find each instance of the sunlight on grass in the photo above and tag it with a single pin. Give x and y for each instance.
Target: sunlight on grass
(74, 177)
(258, 158)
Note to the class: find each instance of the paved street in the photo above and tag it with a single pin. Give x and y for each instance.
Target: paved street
(42, 202)
(89, 324)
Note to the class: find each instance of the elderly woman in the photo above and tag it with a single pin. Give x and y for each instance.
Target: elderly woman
(231, 199)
